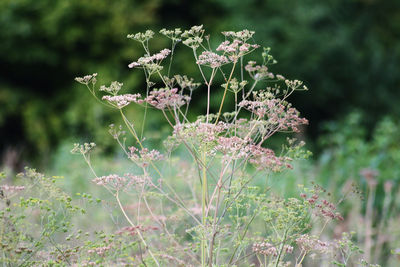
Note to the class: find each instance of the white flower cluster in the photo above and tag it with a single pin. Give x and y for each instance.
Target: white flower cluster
(121, 101)
(87, 79)
(150, 61)
(211, 59)
(141, 36)
(113, 88)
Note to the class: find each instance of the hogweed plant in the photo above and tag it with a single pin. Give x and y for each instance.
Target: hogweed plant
(205, 209)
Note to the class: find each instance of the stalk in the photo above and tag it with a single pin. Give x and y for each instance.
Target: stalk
(137, 231)
(281, 249)
(203, 210)
(226, 89)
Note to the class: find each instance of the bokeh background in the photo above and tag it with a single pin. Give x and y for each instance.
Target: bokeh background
(346, 51)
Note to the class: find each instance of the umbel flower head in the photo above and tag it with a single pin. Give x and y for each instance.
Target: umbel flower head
(211, 59)
(166, 98)
(87, 79)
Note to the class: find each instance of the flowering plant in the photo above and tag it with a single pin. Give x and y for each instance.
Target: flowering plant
(208, 207)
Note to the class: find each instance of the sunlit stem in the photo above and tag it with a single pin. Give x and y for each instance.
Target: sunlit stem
(209, 93)
(226, 89)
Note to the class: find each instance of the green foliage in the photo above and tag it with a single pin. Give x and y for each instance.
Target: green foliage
(354, 163)
(346, 50)
(33, 223)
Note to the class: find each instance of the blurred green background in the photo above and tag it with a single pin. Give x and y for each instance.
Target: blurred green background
(346, 51)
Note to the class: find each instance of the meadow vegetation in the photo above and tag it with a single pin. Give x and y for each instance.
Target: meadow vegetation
(217, 192)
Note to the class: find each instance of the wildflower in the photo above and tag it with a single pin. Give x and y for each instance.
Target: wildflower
(174, 35)
(138, 181)
(193, 36)
(243, 35)
(232, 147)
(145, 156)
(116, 133)
(280, 77)
(199, 132)
(236, 47)
(11, 189)
(121, 101)
(141, 37)
(113, 180)
(264, 158)
(185, 82)
(194, 31)
(312, 243)
(295, 85)
(265, 248)
(211, 59)
(113, 89)
(258, 72)
(235, 86)
(100, 250)
(278, 113)
(87, 79)
(151, 62)
(164, 98)
(83, 149)
(288, 249)
(322, 207)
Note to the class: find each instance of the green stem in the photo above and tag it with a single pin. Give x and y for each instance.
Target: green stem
(281, 249)
(242, 237)
(137, 231)
(226, 89)
(203, 210)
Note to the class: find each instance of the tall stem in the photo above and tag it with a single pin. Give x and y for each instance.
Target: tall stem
(137, 229)
(226, 89)
(203, 210)
(208, 93)
(281, 249)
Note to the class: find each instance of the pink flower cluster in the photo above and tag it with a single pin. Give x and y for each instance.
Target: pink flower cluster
(11, 188)
(148, 60)
(113, 180)
(232, 147)
(100, 250)
(212, 59)
(278, 113)
(199, 131)
(312, 243)
(265, 248)
(236, 48)
(144, 157)
(137, 180)
(167, 98)
(264, 158)
(124, 182)
(121, 101)
(258, 72)
(324, 208)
